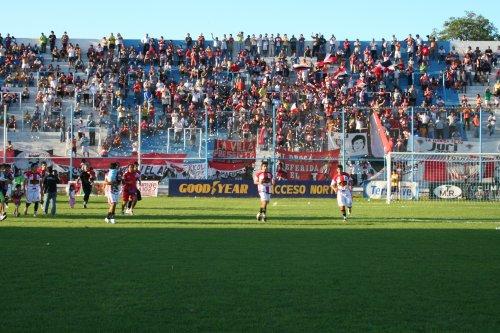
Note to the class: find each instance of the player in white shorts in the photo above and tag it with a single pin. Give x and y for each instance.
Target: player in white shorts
(342, 185)
(33, 188)
(112, 191)
(264, 181)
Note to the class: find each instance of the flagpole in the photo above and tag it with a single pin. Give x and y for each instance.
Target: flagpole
(274, 140)
(5, 133)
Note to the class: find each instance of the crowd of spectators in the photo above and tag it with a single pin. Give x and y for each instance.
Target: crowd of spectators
(235, 82)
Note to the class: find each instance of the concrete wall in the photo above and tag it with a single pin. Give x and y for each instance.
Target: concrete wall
(461, 46)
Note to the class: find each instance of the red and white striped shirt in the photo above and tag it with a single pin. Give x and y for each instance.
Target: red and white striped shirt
(33, 178)
(342, 181)
(264, 180)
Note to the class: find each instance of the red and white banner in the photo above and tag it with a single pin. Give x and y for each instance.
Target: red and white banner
(380, 143)
(216, 169)
(309, 165)
(234, 149)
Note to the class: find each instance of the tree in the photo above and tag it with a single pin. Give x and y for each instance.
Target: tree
(469, 27)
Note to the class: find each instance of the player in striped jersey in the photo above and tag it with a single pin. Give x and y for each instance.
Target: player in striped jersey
(264, 181)
(342, 185)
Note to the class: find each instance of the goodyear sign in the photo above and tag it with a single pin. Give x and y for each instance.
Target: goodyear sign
(246, 188)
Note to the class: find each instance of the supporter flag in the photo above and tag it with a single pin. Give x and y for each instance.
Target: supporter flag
(380, 143)
(341, 71)
(230, 169)
(329, 59)
(234, 68)
(360, 83)
(387, 65)
(300, 67)
(294, 108)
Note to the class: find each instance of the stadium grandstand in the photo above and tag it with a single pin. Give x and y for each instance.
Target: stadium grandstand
(244, 181)
(213, 107)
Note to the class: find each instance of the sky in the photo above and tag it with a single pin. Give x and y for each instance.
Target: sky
(173, 19)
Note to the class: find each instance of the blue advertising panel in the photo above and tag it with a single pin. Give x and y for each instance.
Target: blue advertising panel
(246, 188)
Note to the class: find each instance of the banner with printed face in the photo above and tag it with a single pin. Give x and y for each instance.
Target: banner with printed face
(356, 144)
(234, 149)
(376, 189)
(315, 166)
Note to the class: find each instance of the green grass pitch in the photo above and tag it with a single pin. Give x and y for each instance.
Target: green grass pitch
(196, 264)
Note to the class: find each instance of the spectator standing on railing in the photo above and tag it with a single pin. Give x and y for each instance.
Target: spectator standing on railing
(91, 125)
(84, 143)
(466, 114)
(119, 41)
(293, 46)
(43, 43)
(52, 41)
(111, 43)
(145, 44)
(230, 47)
(271, 45)
(239, 37)
(487, 98)
(64, 41)
(476, 123)
(490, 126)
(439, 127)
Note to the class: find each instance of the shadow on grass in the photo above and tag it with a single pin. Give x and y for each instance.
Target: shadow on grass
(245, 220)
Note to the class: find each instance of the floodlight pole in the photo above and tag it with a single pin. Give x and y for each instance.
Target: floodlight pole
(206, 144)
(5, 133)
(480, 178)
(412, 143)
(343, 137)
(274, 140)
(139, 138)
(71, 137)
